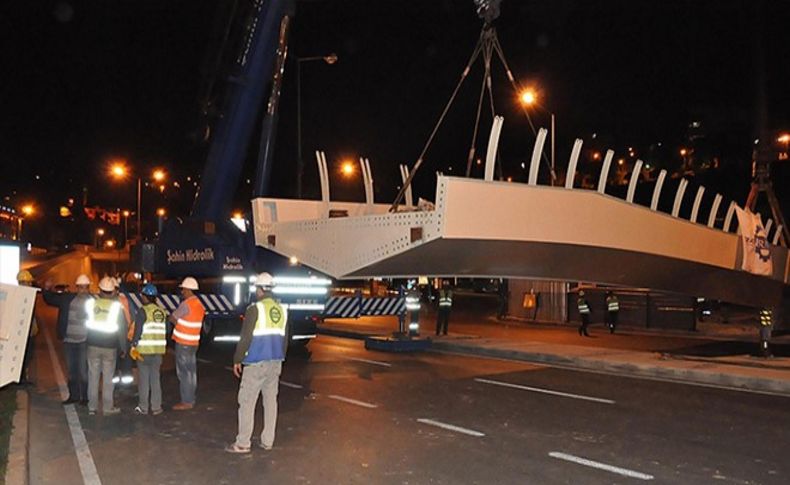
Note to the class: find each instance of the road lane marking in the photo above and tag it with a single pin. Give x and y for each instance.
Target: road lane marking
(291, 385)
(374, 362)
(353, 401)
(90, 476)
(545, 391)
(451, 427)
(204, 361)
(601, 466)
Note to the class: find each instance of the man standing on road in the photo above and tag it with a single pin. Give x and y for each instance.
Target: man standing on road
(72, 330)
(445, 305)
(584, 313)
(258, 362)
(148, 346)
(612, 310)
(106, 338)
(188, 321)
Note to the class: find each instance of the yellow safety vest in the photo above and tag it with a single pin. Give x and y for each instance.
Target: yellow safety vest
(153, 340)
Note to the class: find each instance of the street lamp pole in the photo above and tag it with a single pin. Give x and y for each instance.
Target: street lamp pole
(330, 59)
(139, 197)
(553, 131)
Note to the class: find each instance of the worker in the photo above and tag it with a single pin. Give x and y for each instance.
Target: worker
(24, 278)
(584, 313)
(188, 321)
(445, 305)
(124, 372)
(72, 331)
(766, 325)
(106, 339)
(148, 346)
(258, 362)
(612, 310)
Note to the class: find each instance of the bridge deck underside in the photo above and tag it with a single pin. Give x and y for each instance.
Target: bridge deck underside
(520, 259)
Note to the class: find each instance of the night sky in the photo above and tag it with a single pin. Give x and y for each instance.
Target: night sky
(88, 81)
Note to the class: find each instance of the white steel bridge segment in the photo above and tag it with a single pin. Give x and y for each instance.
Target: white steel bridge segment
(498, 229)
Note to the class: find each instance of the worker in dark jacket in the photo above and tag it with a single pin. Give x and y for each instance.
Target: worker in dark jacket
(612, 310)
(72, 330)
(584, 313)
(258, 362)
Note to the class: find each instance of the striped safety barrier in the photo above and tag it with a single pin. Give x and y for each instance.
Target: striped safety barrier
(215, 305)
(356, 306)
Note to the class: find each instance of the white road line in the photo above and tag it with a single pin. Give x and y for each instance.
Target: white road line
(451, 427)
(353, 401)
(90, 476)
(545, 391)
(601, 466)
(374, 362)
(291, 385)
(204, 361)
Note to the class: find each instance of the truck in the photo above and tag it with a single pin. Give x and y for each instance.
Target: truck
(210, 245)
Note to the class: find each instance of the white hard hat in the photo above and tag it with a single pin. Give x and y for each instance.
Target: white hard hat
(83, 280)
(107, 284)
(189, 283)
(264, 279)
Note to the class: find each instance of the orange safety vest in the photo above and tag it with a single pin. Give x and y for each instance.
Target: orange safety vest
(128, 314)
(187, 330)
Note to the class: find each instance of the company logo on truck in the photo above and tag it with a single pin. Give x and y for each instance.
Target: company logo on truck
(189, 255)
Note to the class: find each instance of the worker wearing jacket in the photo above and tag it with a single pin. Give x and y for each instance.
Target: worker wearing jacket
(188, 321)
(260, 353)
(72, 330)
(106, 337)
(584, 314)
(443, 312)
(612, 310)
(149, 344)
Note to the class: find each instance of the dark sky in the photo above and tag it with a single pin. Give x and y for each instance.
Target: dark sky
(87, 81)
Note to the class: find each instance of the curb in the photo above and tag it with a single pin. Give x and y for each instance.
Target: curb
(17, 471)
(697, 376)
(333, 332)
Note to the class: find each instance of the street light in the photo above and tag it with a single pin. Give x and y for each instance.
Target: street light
(120, 171)
(27, 210)
(528, 98)
(330, 59)
(347, 169)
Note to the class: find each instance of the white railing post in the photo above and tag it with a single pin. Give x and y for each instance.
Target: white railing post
(607, 162)
(662, 175)
(679, 197)
(632, 183)
(577, 149)
(537, 151)
(714, 210)
(697, 201)
(493, 144)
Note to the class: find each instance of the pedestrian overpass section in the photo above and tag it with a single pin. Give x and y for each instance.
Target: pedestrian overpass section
(480, 228)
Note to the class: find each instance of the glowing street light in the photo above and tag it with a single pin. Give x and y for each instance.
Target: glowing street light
(528, 97)
(28, 210)
(158, 175)
(683, 152)
(118, 169)
(100, 232)
(109, 243)
(161, 212)
(293, 260)
(347, 169)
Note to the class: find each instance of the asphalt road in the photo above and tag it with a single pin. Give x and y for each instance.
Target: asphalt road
(352, 416)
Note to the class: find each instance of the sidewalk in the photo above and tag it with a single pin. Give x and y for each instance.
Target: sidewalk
(634, 352)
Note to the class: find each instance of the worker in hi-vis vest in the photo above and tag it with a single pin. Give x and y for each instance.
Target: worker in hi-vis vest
(443, 312)
(188, 321)
(612, 310)
(149, 344)
(584, 313)
(106, 341)
(258, 362)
